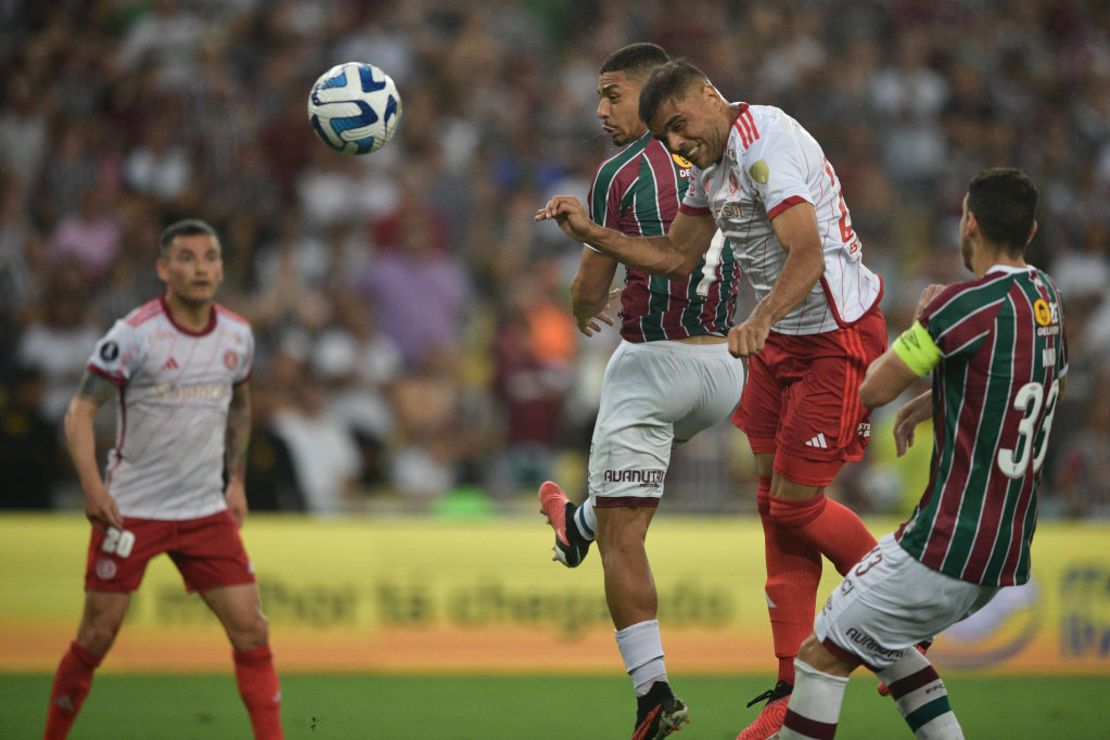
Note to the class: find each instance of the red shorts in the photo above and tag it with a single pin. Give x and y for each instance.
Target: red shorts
(801, 401)
(207, 551)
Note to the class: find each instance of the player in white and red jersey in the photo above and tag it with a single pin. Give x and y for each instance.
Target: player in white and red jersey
(761, 179)
(179, 370)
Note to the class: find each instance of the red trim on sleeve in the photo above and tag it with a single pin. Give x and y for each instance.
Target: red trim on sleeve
(116, 379)
(692, 211)
(790, 202)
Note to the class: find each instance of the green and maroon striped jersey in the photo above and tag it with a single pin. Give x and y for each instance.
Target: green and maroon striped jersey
(1002, 357)
(637, 192)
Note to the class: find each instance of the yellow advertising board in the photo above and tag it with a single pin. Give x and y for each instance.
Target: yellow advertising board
(421, 595)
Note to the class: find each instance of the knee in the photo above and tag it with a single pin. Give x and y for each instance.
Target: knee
(250, 632)
(98, 632)
(796, 512)
(817, 656)
(810, 650)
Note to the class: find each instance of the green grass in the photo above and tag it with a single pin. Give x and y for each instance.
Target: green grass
(392, 707)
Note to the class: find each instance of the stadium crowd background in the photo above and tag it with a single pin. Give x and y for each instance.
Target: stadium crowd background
(414, 345)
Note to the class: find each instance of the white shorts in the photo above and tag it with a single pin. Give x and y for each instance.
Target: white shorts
(654, 396)
(889, 602)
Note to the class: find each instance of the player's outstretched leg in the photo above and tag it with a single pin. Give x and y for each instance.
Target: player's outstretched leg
(659, 713)
(571, 545)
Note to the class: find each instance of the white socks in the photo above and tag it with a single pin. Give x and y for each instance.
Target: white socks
(585, 519)
(642, 650)
(917, 689)
(815, 703)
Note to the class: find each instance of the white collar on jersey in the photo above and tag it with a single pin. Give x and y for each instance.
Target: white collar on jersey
(1006, 268)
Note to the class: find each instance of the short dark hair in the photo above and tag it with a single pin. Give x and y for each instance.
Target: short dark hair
(636, 60)
(185, 227)
(1004, 201)
(671, 80)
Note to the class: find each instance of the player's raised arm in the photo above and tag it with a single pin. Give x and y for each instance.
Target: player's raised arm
(674, 255)
(92, 393)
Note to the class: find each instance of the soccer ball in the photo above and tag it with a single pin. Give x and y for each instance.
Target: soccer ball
(354, 108)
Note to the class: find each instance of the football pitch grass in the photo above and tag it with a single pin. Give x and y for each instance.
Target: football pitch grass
(500, 707)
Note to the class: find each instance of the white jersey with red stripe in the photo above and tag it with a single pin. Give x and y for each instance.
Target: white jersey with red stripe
(770, 164)
(171, 417)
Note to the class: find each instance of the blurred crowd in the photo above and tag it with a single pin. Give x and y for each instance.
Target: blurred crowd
(414, 344)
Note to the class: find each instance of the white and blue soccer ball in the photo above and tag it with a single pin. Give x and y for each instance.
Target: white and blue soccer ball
(354, 108)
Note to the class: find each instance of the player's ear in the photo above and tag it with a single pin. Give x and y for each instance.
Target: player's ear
(1032, 232)
(971, 225)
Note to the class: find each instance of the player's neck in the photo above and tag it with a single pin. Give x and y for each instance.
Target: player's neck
(192, 316)
(985, 259)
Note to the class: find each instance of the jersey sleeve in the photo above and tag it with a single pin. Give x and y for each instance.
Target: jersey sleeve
(957, 325)
(118, 354)
(245, 367)
(696, 200)
(1062, 353)
(777, 169)
(604, 203)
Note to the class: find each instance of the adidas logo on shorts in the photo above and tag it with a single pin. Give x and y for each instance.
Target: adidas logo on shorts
(819, 442)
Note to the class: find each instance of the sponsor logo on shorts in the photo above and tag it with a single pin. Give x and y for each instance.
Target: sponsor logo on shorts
(863, 431)
(105, 569)
(868, 643)
(651, 478)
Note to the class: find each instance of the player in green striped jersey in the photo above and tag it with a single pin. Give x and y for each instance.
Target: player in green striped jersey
(671, 377)
(996, 348)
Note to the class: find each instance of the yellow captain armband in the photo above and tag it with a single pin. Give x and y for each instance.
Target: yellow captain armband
(917, 349)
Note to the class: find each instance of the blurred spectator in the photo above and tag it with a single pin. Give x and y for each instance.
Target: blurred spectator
(28, 443)
(357, 363)
(419, 290)
(534, 351)
(272, 483)
(89, 238)
(59, 343)
(324, 455)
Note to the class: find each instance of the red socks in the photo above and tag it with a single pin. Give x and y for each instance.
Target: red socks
(260, 690)
(254, 673)
(828, 525)
(72, 682)
(796, 535)
(793, 572)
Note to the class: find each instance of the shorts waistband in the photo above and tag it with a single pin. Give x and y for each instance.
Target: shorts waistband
(679, 348)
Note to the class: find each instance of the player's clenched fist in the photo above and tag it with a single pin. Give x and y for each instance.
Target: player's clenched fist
(748, 338)
(569, 214)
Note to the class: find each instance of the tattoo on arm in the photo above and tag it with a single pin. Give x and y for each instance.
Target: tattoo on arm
(238, 436)
(96, 389)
